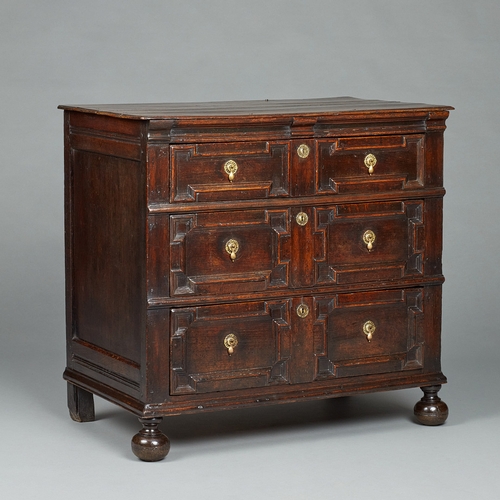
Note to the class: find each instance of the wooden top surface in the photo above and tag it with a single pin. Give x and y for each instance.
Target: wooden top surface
(265, 108)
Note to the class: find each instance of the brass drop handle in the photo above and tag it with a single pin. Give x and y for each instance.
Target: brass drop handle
(370, 162)
(302, 310)
(369, 238)
(303, 150)
(369, 329)
(230, 167)
(232, 247)
(230, 342)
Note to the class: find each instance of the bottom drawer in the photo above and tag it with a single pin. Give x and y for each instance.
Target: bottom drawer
(256, 344)
(229, 346)
(369, 332)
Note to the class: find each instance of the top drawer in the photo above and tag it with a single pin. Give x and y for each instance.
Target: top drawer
(229, 171)
(370, 164)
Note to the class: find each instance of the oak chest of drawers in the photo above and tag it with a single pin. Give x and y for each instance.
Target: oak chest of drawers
(222, 255)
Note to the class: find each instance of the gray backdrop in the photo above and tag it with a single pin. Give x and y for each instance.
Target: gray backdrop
(98, 51)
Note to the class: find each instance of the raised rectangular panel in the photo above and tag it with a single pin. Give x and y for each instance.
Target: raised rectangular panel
(202, 260)
(201, 361)
(229, 171)
(392, 318)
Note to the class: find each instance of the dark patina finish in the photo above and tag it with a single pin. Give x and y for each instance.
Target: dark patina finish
(223, 255)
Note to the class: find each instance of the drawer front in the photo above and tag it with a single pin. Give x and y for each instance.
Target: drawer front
(369, 332)
(229, 252)
(229, 171)
(364, 242)
(370, 164)
(229, 347)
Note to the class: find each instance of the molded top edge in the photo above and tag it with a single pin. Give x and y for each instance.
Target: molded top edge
(252, 109)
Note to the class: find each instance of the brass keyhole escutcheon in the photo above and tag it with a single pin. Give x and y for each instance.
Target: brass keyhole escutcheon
(230, 342)
(369, 329)
(370, 162)
(232, 247)
(230, 167)
(303, 150)
(301, 218)
(369, 238)
(302, 310)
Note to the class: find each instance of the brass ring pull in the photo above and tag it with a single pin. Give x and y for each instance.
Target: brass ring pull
(369, 238)
(301, 218)
(232, 247)
(303, 150)
(230, 342)
(302, 310)
(370, 162)
(369, 329)
(230, 167)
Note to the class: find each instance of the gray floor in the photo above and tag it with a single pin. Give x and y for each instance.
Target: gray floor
(434, 51)
(357, 447)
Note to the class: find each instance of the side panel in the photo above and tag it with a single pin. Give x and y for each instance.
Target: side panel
(105, 251)
(108, 249)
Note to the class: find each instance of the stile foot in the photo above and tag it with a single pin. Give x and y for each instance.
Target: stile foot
(80, 404)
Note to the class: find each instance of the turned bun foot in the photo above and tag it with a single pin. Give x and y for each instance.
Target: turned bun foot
(430, 410)
(150, 444)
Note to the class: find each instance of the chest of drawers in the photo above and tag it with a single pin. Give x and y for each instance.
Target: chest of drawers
(223, 255)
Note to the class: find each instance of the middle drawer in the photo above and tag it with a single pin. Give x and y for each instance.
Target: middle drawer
(228, 252)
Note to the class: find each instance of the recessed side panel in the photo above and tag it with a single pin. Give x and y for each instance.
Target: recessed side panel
(107, 267)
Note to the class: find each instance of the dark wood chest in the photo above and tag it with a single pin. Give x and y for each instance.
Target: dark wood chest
(222, 255)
